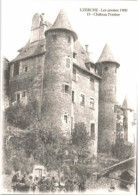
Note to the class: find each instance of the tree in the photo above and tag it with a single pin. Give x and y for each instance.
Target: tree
(22, 116)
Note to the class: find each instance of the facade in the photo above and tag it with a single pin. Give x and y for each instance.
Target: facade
(54, 69)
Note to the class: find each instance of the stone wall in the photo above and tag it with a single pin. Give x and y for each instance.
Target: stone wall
(84, 113)
(30, 81)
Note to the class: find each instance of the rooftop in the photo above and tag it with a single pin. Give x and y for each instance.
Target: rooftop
(107, 55)
(62, 22)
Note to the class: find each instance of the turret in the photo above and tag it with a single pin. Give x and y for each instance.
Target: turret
(58, 73)
(107, 68)
(128, 120)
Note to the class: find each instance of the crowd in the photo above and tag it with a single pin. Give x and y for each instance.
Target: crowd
(26, 183)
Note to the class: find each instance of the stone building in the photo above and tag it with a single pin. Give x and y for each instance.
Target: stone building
(54, 69)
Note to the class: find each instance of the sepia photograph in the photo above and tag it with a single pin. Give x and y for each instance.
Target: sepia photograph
(68, 97)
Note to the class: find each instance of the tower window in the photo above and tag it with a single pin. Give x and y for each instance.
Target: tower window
(92, 131)
(73, 96)
(54, 37)
(66, 88)
(82, 102)
(106, 68)
(16, 68)
(74, 74)
(66, 118)
(26, 69)
(91, 83)
(67, 62)
(92, 103)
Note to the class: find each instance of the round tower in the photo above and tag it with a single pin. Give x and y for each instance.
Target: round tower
(107, 67)
(58, 73)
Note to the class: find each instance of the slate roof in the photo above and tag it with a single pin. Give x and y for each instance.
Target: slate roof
(126, 104)
(30, 50)
(107, 55)
(62, 22)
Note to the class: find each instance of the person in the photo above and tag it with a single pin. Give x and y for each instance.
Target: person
(69, 185)
(15, 180)
(126, 180)
(75, 187)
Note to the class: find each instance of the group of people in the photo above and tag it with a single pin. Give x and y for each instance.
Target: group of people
(26, 183)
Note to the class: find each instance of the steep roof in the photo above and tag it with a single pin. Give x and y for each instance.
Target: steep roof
(126, 104)
(107, 55)
(30, 50)
(62, 22)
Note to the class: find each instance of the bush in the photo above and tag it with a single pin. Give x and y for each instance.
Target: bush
(22, 116)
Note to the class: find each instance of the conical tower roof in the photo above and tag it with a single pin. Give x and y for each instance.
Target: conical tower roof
(62, 22)
(126, 104)
(107, 55)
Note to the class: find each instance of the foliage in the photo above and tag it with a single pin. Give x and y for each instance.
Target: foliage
(80, 136)
(22, 116)
(122, 150)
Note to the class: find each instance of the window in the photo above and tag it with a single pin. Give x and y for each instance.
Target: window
(66, 88)
(91, 83)
(72, 124)
(73, 96)
(24, 94)
(21, 97)
(26, 68)
(92, 131)
(92, 103)
(74, 74)
(16, 68)
(66, 118)
(67, 62)
(18, 98)
(82, 102)
(74, 55)
(54, 37)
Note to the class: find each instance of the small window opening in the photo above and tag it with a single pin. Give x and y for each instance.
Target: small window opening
(26, 69)
(74, 55)
(66, 88)
(16, 68)
(82, 102)
(66, 118)
(92, 130)
(18, 97)
(74, 74)
(92, 103)
(73, 96)
(68, 62)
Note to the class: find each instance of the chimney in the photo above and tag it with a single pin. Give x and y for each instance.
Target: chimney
(86, 48)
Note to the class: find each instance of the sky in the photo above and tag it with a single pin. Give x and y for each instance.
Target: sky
(120, 32)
